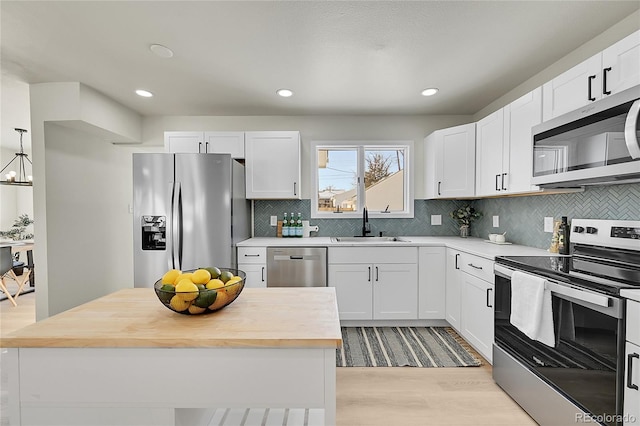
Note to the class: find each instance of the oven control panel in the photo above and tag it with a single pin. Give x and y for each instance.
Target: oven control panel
(625, 232)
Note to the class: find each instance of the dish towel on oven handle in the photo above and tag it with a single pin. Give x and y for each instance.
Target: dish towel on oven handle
(531, 310)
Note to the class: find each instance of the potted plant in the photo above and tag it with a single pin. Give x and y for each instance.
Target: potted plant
(17, 231)
(464, 216)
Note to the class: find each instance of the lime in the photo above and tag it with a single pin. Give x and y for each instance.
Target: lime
(215, 272)
(226, 276)
(201, 287)
(166, 293)
(205, 298)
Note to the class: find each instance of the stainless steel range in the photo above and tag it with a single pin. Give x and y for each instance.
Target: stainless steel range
(576, 374)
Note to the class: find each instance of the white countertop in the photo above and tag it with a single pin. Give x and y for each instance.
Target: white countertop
(632, 294)
(476, 246)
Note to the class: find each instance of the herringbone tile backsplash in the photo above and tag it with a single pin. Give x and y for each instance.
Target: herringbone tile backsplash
(521, 217)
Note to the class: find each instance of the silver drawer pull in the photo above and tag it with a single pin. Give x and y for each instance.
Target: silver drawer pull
(474, 266)
(251, 255)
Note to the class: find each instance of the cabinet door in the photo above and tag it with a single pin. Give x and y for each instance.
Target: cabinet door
(353, 290)
(256, 274)
(452, 310)
(272, 165)
(477, 314)
(431, 282)
(621, 65)
(225, 143)
(430, 167)
(456, 161)
(572, 89)
(395, 291)
(632, 382)
(489, 141)
(184, 142)
(520, 116)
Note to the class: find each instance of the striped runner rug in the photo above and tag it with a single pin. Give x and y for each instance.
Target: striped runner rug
(403, 347)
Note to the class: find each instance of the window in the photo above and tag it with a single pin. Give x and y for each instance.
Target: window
(349, 176)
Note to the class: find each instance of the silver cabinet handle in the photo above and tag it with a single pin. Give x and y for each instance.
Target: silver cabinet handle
(457, 254)
(199, 147)
(489, 291)
(377, 276)
(504, 188)
(251, 255)
(474, 266)
(294, 188)
(263, 274)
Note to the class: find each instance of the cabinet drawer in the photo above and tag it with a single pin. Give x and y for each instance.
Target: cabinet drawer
(252, 255)
(633, 322)
(373, 255)
(477, 266)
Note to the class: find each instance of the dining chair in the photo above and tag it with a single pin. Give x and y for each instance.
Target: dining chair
(6, 269)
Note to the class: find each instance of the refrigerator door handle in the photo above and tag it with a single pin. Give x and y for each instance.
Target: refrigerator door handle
(176, 231)
(179, 230)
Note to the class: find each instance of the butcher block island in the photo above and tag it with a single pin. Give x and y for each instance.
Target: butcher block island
(125, 359)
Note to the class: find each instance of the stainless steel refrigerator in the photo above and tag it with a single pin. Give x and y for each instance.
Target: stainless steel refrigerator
(189, 211)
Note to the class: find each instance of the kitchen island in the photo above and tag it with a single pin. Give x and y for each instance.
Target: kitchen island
(125, 359)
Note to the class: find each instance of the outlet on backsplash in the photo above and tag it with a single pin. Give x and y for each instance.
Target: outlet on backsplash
(496, 221)
(436, 219)
(548, 224)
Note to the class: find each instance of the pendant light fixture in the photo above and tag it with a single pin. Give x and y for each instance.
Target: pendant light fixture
(20, 177)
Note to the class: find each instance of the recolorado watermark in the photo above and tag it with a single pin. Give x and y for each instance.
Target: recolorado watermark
(605, 418)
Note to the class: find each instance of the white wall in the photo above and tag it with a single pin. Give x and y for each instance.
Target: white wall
(316, 127)
(14, 113)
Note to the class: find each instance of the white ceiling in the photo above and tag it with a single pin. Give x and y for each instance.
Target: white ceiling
(342, 57)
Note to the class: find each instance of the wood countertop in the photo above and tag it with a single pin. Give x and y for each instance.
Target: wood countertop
(260, 317)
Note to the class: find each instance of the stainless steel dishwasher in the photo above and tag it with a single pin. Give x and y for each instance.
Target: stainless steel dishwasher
(296, 266)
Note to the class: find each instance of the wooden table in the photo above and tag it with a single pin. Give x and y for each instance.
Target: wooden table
(126, 359)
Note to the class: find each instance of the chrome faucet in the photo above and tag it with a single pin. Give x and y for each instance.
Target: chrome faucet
(365, 222)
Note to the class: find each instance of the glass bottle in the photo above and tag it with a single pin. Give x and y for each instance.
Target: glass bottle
(285, 227)
(299, 226)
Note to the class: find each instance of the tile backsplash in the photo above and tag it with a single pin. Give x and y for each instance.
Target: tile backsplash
(520, 217)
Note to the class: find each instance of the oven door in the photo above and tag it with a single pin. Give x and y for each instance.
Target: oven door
(585, 365)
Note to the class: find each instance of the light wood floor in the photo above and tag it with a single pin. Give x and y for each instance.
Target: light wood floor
(400, 396)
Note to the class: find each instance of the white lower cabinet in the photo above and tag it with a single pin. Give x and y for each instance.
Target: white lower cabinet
(431, 282)
(253, 261)
(469, 299)
(477, 313)
(452, 290)
(375, 282)
(632, 365)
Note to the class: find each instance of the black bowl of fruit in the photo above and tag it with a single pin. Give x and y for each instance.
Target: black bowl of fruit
(199, 291)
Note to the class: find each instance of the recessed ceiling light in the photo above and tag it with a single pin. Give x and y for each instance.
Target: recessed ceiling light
(144, 93)
(160, 50)
(285, 93)
(429, 92)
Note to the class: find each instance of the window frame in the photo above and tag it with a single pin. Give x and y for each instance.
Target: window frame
(362, 146)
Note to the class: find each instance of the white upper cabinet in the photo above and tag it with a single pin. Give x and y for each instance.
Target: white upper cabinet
(613, 70)
(621, 65)
(272, 165)
(205, 142)
(490, 139)
(504, 147)
(450, 161)
(225, 143)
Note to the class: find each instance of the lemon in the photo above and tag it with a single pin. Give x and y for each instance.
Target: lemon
(226, 276)
(233, 289)
(215, 283)
(221, 299)
(170, 276)
(215, 272)
(179, 304)
(186, 290)
(234, 279)
(201, 276)
(182, 276)
(193, 309)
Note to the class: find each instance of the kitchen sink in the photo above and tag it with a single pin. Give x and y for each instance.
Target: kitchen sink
(367, 239)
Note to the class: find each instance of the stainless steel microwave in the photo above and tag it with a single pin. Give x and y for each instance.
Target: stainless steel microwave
(595, 145)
